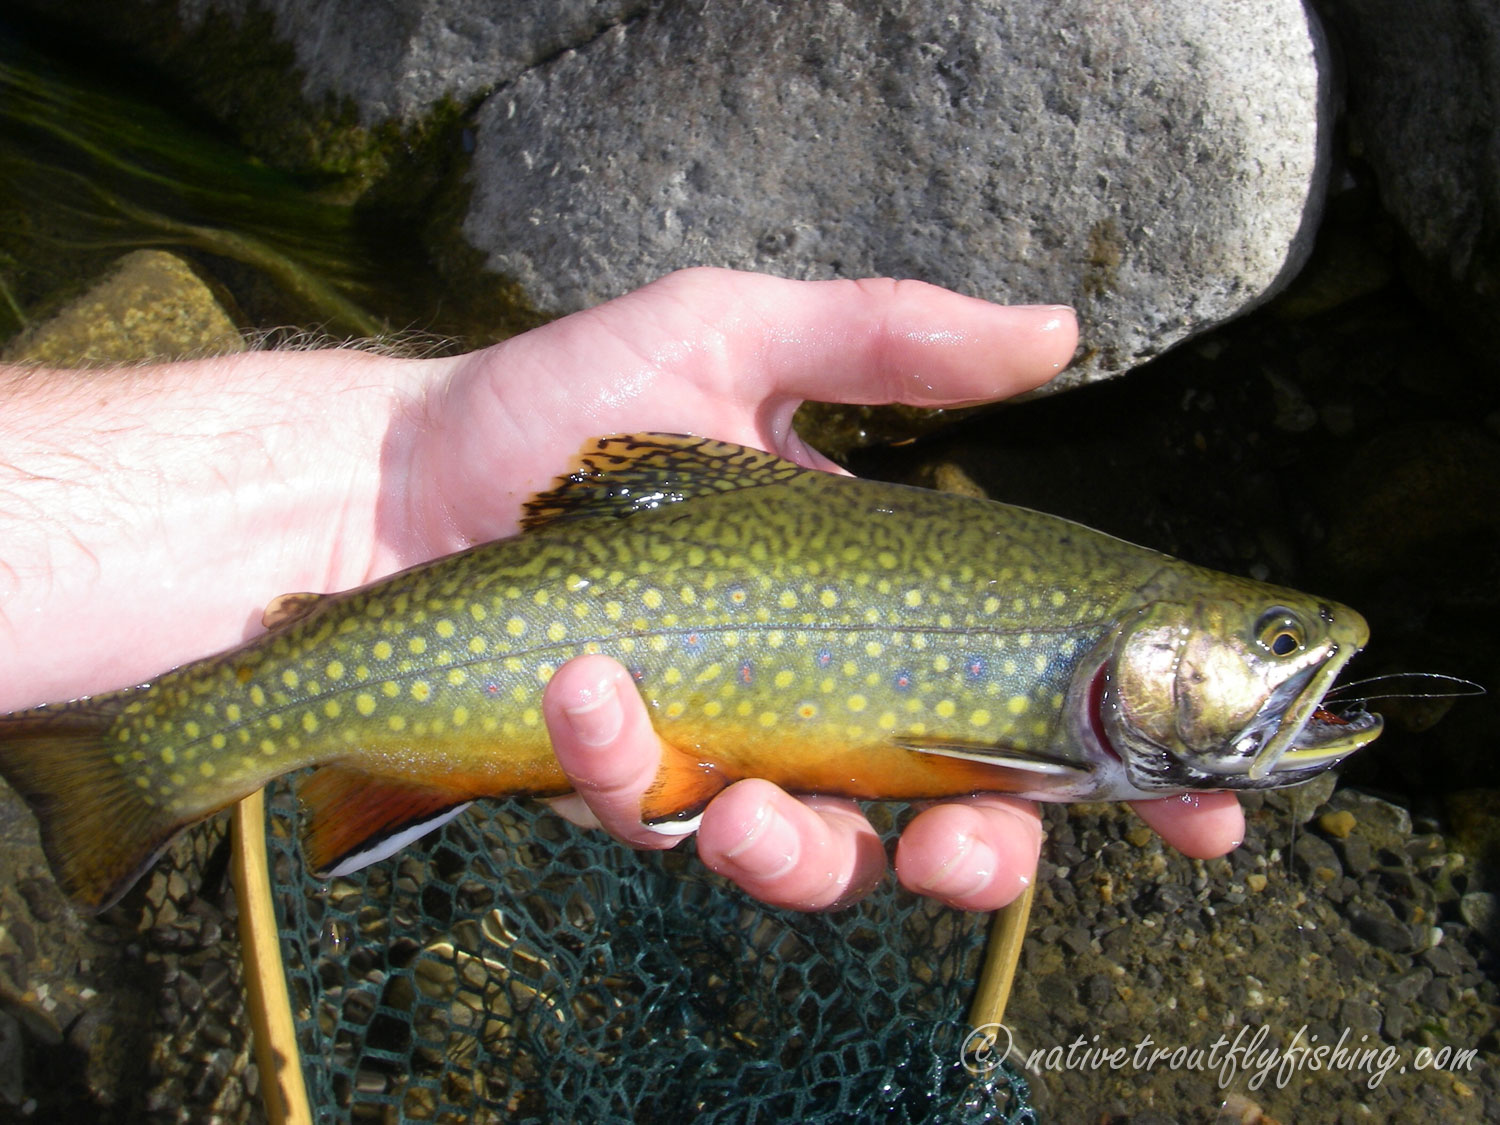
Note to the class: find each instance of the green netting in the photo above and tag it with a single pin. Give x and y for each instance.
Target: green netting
(513, 968)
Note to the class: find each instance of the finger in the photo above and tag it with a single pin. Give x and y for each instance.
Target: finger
(975, 854)
(1200, 825)
(866, 341)
(813, 854)
(604, 741)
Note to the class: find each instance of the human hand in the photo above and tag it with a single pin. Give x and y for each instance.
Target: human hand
(731, 356)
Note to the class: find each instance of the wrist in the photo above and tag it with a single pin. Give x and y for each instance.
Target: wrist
(147, 515)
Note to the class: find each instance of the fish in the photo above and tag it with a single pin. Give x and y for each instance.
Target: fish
(830, 634)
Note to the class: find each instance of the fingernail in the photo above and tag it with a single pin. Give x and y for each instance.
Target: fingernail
(597, 720)
(970, 869)
(770, 848)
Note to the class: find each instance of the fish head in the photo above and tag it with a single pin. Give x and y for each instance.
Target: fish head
(1224, 689)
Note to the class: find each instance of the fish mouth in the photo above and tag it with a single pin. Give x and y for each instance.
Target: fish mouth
(1296, 733)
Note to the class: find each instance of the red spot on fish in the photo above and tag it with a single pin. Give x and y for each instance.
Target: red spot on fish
(746, 673)
(492, 689)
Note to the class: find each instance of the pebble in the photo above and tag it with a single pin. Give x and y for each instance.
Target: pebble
(1337, 824)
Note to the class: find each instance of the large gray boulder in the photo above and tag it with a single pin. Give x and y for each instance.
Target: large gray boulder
(1159, 166)
(398, 58)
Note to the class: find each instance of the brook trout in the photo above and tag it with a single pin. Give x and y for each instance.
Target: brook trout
(831, 635)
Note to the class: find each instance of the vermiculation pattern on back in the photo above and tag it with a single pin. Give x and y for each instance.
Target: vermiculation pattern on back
(799, 610)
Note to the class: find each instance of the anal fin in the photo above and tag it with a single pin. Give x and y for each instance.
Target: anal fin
(354, 819)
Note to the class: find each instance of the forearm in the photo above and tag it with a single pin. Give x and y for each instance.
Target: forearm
(147, 515)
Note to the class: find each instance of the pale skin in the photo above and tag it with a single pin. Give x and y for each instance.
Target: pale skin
(147, 515)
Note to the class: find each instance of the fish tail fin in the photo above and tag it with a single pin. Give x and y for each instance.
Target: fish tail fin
(99, 830)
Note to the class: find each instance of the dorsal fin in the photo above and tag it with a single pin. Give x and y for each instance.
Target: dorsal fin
(623, 474)
(284, 608)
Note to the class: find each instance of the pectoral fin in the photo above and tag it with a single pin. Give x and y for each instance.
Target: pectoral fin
(1004, 757)
(683, 787)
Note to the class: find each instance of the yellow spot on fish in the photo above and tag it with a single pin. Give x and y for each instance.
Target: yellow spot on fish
(556, 631)
(460, 716)
(672, 675)
(991, 604)
(390, 689)
(267, 747)
(382, 650)
(940, 663)
(143, 782)
(289, 678)
(364, 703)
(206, 769)
(529, 716)
(828, 598)
(275, 722)
(913, 598)
(334, 670)
(191, 729)
(980, 718)
(613, 610)
(178, 780)
(873, 648)
(443, 628)
(421, 691)
(887, 721)
(541, 597)
(477, 611)
(886, 559)
(651, 598)
(1017, 704)
(218, 741)
(675, 709)
(332, 709)
(257, 696)
(743, 707)
(768, 718)
(785, 678)
(712, 708)
(807, 710)
(856, 702)
(458, 677)
(417, 646)
(309, 722)
(396, 722)
(477, 645)
(944, 708)
(232, 712)
(1059, 599)
(168, 755)
(787, 599)
(709, 674)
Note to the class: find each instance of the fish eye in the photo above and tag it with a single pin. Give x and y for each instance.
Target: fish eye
(1280, 632)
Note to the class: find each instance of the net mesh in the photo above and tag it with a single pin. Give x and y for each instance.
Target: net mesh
(512, 968)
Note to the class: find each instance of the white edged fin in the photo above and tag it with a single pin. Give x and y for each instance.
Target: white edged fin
(677, 827)
(1002, 756)
(383, 847)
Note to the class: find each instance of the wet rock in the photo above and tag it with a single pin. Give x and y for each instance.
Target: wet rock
(863, 138)
(1423, 107)
(151, 306)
